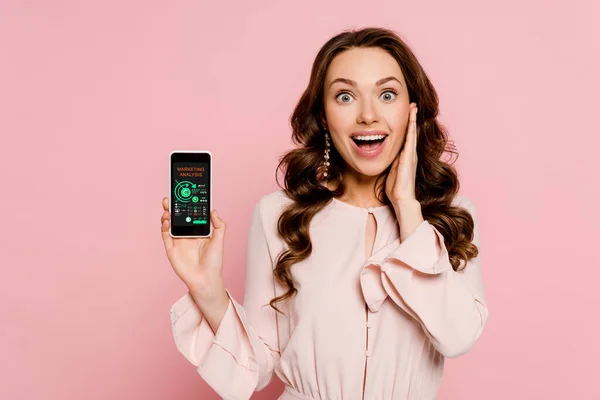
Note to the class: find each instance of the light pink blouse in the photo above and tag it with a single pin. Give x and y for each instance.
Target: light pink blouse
(386, 321)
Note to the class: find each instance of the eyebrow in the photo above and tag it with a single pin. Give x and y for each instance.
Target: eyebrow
(352, 83)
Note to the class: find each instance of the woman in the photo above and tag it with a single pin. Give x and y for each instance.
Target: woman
(363, 273)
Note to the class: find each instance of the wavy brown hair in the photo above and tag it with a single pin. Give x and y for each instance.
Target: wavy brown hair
(436, 180)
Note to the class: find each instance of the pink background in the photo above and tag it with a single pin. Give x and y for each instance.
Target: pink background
(94, 95)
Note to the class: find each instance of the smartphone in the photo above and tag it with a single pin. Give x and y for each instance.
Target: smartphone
(190, 200)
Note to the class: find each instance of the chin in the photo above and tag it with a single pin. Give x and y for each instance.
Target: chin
(370, 169)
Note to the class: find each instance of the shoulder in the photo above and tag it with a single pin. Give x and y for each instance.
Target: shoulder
(467, 204)
(273, 202)
(270, 206)
(464, 202)
(265, 218)
(274, 199)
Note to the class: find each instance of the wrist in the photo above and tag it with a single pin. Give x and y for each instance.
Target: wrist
(209, 292)
(213, 302)
(210, 304)
(408, 205)
(409, 216)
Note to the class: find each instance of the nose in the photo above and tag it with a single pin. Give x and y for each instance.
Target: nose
(367, 113)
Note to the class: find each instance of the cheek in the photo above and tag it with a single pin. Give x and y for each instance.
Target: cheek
(338, 118)
(339, 142)
(397, 120)
(398, 126)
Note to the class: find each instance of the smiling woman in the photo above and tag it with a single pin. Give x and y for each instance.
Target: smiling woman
(362, 87)
(363, 272)
(381, 105)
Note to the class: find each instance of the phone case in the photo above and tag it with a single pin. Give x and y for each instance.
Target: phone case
(211, 188)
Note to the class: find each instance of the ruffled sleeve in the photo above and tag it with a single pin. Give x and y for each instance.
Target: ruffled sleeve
(240, 357)
(417, 275)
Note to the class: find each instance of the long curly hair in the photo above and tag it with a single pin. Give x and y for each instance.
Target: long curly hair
(436, 180)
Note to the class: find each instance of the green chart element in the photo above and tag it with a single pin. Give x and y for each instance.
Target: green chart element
(183, 191)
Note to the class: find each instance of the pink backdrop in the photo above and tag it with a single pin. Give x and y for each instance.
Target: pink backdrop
(94, 95)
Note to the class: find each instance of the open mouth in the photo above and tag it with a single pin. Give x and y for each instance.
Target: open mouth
(370, 143)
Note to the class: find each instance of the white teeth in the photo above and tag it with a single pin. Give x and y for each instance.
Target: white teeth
(370, 137)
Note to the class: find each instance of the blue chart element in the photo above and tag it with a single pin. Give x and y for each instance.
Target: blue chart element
(183, 191)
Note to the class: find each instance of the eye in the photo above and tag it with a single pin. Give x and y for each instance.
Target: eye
(344, 97)
(393, 94)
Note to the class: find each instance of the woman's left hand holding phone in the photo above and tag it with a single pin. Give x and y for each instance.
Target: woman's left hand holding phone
(198, 262)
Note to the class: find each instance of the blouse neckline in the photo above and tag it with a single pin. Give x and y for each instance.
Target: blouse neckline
(363, 209)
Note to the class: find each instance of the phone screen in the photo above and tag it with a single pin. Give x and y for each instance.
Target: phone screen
(190, 194)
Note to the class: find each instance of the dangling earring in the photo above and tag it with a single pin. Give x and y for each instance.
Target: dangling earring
(326, 163)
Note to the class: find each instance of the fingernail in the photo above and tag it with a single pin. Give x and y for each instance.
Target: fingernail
(216, 213)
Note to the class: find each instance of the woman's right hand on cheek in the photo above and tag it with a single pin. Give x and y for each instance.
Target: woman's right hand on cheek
(197, 261)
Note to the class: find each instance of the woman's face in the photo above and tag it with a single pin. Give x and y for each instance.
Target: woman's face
(366, 108)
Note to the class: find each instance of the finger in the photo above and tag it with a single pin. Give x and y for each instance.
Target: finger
(415, 131)
(394, 168)
(410, 145)
(396, 163)
(166, 236)
(165, 203)
(165, 215)
(409, 126)
(218, 225)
